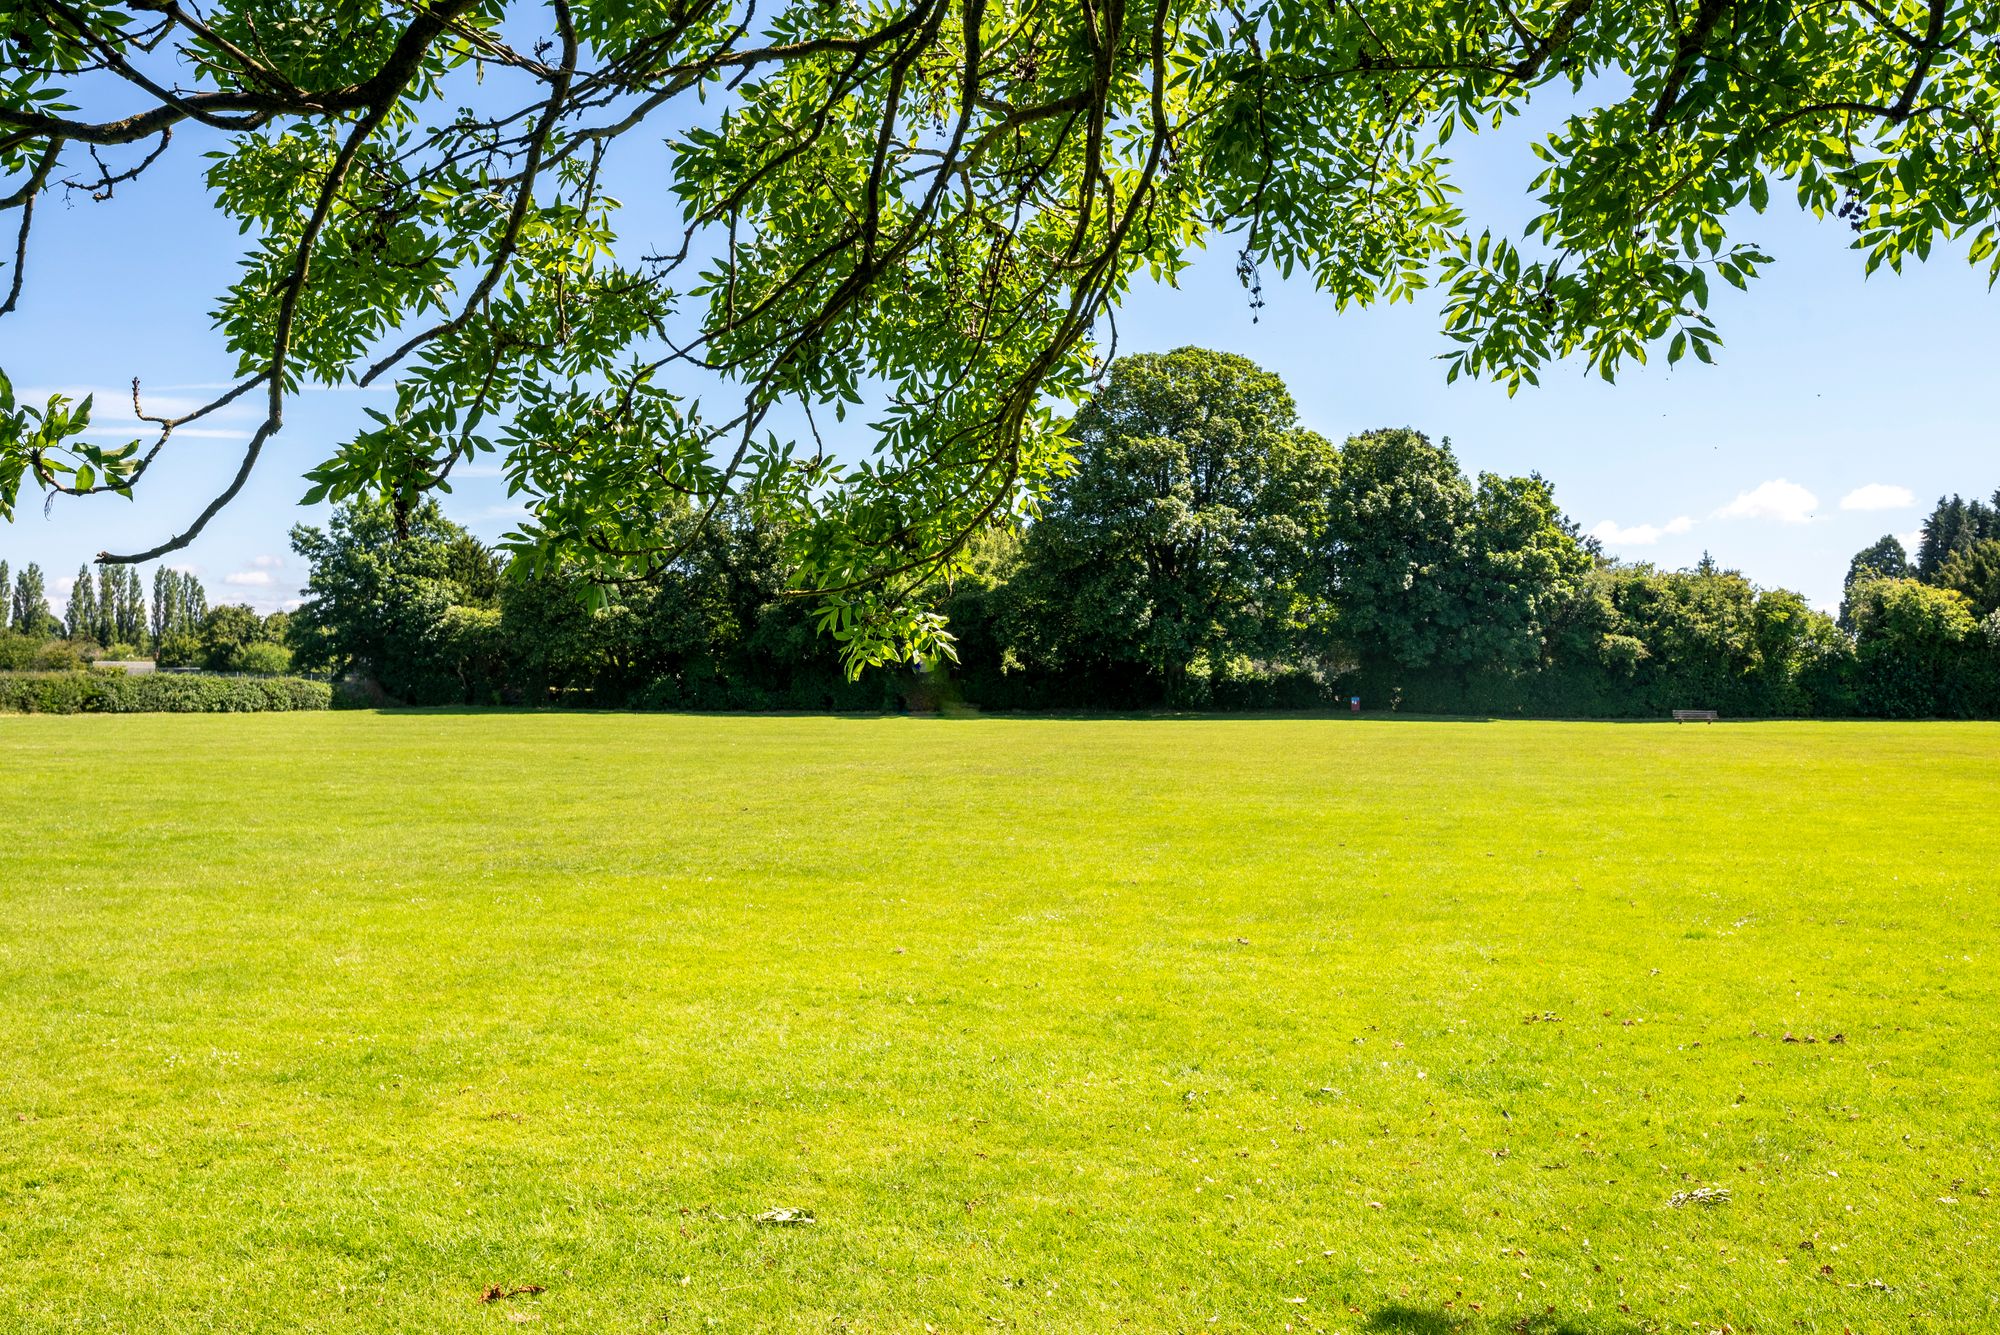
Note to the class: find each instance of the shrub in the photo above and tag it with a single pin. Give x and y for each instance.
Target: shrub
(55, 692)
(177, 649)
(261, 658)
(154, 693)
(17, 651)
(1914, 645)
(57, 656)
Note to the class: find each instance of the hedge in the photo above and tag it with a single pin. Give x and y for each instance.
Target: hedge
(156, 693)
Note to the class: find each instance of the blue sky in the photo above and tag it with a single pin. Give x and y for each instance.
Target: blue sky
(1839, 409)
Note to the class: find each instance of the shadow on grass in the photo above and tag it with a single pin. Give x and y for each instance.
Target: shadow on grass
(1402, 1319)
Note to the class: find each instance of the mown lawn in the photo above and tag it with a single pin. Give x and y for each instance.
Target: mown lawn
(317, 1023)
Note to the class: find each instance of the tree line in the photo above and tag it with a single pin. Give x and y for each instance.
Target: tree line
(109, 617)
(1203, 550)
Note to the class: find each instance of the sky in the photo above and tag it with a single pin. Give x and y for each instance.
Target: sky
(1839, 409)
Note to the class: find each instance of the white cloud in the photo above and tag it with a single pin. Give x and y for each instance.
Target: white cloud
(1911, 541)
(251, 579)
(1878, 496)
(66, 585)
(1786, 502)
(1639, 535)
(267, 562)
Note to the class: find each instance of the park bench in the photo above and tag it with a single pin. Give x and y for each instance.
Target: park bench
(1694, 716)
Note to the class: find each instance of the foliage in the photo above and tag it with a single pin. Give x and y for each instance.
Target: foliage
(1920, 653)
(1884, 558)
(1974, 571)
(383, 583)
(30, 653)
(180, 605)
(263, 658)
(1954, 525)
(77, 692)
(1206, 554)
(716, 629)
(1432, 575)
(1182, 538)
(28, 605)
(80, 617)
(923, 213)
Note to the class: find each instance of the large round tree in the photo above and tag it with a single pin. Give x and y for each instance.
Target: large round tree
(1186, 531)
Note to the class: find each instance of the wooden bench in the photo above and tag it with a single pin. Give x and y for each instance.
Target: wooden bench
(1694, 716)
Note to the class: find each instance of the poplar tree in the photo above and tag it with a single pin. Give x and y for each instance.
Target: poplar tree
(80, 618)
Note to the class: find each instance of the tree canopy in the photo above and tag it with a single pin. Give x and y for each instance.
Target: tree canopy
(1187, 528)
(923, 211)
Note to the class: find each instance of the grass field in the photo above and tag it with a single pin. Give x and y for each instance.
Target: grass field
(332, 1023)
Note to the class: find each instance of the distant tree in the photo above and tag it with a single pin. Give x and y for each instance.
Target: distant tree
(1975, 572)
(129, 621)
(381, 586)
(1524, 562)
(234, 638)
(475, 569)
(1916, 646)
(1183, 536)
(1884, 558)
(109, 580)
(80, 617)
(1398, 532)
(263, 658)
(29, 610)
(193, 602)
(6, 598)
(180, 606)
(166, 610)
(1953, 525)
(1430, 573)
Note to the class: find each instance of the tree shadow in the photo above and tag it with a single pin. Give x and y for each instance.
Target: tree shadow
(1406, 1319)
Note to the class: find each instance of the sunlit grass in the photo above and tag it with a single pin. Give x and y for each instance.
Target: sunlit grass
(334, 1022)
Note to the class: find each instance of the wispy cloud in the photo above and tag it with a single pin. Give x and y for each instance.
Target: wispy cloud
(250, 579)
(143, 429)
(1612, 534)
(1786, 502)
(1911, 541)
(1878, 496)
(110, 403)
(267, 562)
(217, 386)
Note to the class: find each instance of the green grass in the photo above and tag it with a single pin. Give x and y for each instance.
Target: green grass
(317, 1023)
